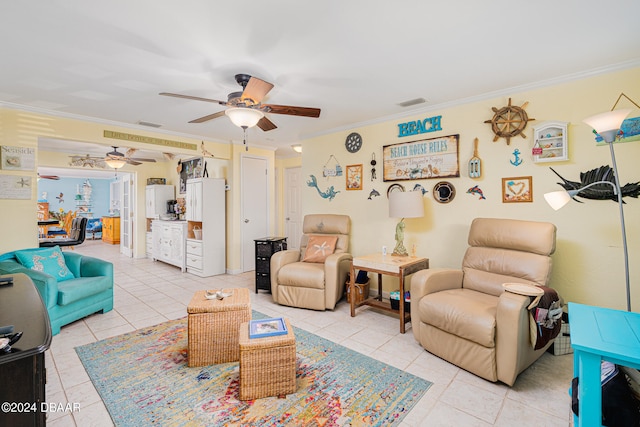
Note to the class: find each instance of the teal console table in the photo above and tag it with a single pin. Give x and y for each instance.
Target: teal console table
(599, 334)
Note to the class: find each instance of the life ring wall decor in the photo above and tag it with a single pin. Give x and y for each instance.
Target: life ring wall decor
(444, 192)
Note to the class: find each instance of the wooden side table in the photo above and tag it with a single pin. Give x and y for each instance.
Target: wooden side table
(599, 334)
(390, 265)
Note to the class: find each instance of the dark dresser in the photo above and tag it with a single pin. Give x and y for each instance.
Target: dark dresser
(265, 247)
(22, 370)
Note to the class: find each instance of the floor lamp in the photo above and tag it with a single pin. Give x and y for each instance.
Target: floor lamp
(607, 125)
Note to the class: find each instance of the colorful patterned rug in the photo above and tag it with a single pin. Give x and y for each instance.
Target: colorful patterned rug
(144, 380)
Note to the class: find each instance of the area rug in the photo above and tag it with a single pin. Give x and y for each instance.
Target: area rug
(143, 379)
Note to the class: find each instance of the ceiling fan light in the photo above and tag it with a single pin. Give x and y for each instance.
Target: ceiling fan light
(115, 163)
(244, 117)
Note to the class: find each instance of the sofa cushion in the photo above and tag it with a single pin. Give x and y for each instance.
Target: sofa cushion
(462, 312)
(47, 260)
(80, 288)
(302, 274)
(319, 248)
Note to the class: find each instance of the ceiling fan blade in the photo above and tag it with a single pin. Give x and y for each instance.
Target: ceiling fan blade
(133, 162)
(256, 89)
(266, 124)
(293, 111)
(54, 177)
(130, 152)
(138, 159)
(195, 98)
(208, 117)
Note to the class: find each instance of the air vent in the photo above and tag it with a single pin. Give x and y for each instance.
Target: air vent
(411, 102)
(152, 125)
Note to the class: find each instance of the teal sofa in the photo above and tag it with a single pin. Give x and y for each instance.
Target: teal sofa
(89, 291)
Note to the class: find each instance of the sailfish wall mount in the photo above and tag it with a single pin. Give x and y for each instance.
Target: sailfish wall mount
(601, 191)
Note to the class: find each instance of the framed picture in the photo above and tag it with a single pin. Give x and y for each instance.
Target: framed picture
(191, 168)
(354, 177)
(17, 158)
(267, 327)
(516, 190)
(423, 159)
(156, 181)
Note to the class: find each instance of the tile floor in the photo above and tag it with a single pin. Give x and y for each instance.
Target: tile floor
(147, 293)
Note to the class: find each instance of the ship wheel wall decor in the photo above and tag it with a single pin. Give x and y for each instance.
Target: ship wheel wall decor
(509, 121)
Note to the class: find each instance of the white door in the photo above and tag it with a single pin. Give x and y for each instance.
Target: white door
(255, 207)
(292, 206)
(126, 215)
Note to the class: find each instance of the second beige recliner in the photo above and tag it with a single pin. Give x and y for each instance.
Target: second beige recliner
(466, 317)
(314, 285)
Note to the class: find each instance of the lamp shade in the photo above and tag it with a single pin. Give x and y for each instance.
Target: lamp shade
(406, 204)
(297, 148)
(607, 124)
(557, 199)
(244, 117)
(115, 163)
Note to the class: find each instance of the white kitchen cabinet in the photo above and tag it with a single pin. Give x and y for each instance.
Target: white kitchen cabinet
(194, 199)
(169, 242)
(156, 197)
(206, 213)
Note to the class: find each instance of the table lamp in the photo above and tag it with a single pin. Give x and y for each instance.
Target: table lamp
(403, 205)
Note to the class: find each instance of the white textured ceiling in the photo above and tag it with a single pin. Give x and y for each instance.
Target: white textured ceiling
(356, 60)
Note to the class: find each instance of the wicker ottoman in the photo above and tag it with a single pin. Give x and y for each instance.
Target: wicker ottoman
(213, 326)
(267, 365)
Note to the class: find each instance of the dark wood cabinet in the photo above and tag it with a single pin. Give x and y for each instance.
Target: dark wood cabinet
(22, 370)
(265, 247)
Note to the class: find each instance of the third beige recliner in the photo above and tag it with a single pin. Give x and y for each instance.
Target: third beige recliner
(317, 283)
(466, 317)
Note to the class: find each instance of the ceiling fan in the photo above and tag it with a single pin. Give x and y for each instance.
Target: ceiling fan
(115, 156)
(114, 159)
(246, 108)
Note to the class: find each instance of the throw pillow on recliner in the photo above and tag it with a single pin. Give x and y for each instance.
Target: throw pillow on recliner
(47, 260)
(319, 248)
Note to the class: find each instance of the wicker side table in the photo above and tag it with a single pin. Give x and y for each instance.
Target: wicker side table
(267, 365)
(213, 327)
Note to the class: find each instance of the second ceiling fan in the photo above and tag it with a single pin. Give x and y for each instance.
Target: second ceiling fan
(247, 105)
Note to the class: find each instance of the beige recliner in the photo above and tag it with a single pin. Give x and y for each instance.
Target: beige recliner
(467, 318)
(316, 285)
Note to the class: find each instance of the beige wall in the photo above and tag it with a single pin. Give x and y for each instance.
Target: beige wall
(588, 264)
(23, 128)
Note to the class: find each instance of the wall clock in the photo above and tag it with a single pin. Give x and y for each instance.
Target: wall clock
(509, 121)
(353, 143)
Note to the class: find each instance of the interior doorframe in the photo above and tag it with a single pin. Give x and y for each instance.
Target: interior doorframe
(133, 224)
(269, 174)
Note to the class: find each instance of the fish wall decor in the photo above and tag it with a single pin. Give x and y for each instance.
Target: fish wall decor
(602, 191)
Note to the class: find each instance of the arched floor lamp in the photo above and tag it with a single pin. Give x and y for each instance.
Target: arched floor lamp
(607, 125)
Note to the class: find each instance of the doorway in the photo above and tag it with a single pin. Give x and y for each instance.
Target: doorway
(127, 202)
(255, 206)
(292, 206)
